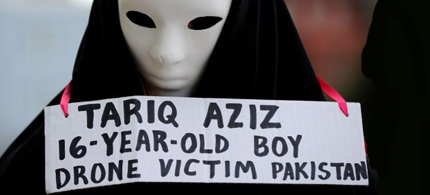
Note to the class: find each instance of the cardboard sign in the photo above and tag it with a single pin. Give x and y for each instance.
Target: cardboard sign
(166, 139)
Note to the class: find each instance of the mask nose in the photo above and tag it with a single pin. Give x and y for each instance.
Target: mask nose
(168, 49)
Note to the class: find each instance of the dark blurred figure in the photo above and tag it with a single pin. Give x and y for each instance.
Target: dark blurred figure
(396, 59)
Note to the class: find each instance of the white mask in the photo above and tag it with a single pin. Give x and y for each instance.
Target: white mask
(172, 40)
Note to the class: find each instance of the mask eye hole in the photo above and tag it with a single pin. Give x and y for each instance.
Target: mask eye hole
(141, 19)
(203, 23)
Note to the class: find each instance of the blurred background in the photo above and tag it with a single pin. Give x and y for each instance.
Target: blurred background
(39, 41)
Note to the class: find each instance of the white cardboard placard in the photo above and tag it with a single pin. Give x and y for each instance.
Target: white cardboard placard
(171, 139)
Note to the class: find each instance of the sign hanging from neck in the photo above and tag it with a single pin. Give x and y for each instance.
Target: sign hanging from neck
(183, 140)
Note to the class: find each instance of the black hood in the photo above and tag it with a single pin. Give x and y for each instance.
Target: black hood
(259, 55)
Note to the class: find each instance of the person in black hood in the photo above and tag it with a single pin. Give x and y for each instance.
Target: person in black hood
(258, 55)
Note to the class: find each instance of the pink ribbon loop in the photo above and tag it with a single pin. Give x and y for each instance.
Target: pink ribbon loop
(365, 147)
(330, 91)
(65, 99)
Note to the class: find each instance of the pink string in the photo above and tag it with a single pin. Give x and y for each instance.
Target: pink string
(65, 99)
(330, 91)
(365, 147)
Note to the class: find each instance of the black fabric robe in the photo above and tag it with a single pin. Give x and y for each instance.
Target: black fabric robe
(259, 55)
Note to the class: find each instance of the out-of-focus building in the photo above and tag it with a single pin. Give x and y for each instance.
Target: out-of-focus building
(334, 33)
